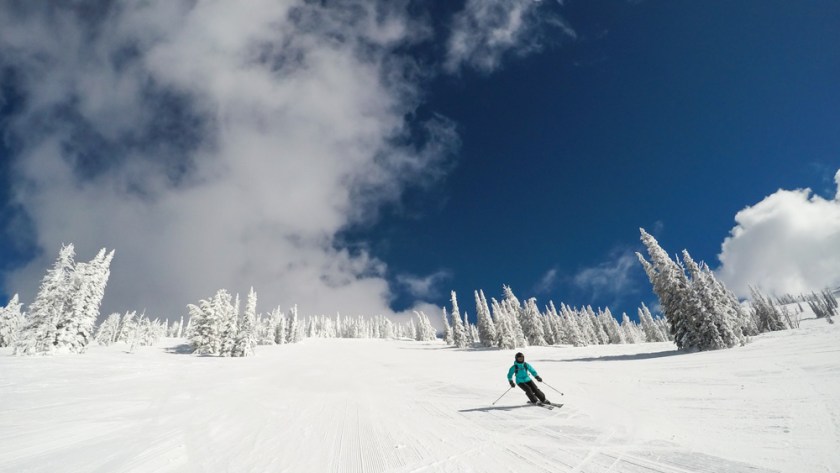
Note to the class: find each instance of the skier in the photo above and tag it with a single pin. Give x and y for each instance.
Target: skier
(524, 381)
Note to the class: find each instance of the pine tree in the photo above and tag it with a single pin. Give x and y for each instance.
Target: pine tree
(280, 328)
(447, 329)
(38, 334)
(504, 328)
(768, 317)
(613, 331)
(671, 285)
(459, 334)
(109, 330)
(294, 330)
(531, 324)
(246, 339)
(486, 328)
(577, 337)
(75, 328)
(11, 322)
(630, 330)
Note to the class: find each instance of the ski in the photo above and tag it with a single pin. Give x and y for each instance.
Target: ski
(546, 406)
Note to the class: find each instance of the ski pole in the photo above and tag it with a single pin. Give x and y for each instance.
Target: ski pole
(552, 388)
(500, 397)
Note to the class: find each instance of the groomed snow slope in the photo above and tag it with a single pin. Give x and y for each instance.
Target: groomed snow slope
(374, 406)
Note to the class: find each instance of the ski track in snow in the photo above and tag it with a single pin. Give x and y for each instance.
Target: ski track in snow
(384, 406)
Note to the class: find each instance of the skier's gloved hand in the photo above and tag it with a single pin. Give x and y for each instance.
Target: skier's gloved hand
(538, 378)
(512, 384)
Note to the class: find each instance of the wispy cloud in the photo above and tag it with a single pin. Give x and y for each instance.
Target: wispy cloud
(547, 282)
(485, 31)
(216, 146)
(424, 287)
(612, 278)
(787, 243)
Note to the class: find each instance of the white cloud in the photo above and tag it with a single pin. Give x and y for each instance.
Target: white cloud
(423, 287)
(216, 146)
(610, 278)
(787, 243)
(547, 282)
(487, 30)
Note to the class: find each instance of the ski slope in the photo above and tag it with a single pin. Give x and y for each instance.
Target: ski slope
(399, 406)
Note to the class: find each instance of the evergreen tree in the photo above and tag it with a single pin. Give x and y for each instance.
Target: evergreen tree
(75, 327)
(630, 330)
(39, 332)
(280, 328)
(576, 335)
(486, 328)
(459, 334)
(650, 328)
(11, 321)
(294, 330)
(109, 330)
(768, 317)
(504, 328)
(447, 329)
(671, 285)
(531, 325)
(246, 339)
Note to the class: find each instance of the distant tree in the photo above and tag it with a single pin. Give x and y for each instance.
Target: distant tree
(246, 339)
(486, 328)
(447, 329)
(632, 332)
(459, 334)
(11, 322)
(108, 330)
(504, 328)
(824, 305)
(768, 317)
(650, 328)
(531, 325)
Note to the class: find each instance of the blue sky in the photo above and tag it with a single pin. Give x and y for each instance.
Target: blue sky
(529, 161)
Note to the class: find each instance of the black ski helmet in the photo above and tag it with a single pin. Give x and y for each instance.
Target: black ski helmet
(518, 355)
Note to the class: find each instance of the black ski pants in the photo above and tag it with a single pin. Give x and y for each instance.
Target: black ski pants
(532, 391)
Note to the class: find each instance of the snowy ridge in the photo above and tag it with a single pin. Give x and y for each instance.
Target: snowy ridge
(399, 406)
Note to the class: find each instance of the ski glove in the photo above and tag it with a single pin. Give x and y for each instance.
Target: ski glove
(512, 384)
(538, 378)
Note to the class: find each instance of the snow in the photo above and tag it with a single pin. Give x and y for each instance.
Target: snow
(401, 406)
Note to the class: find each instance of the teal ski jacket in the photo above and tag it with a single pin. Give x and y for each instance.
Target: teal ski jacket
(521, 370)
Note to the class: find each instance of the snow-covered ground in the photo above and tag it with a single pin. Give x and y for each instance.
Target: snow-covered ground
(372, 406)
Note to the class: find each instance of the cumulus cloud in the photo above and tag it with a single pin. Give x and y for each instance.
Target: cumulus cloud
(610, 278)
(787, 243)
(487, 30)
(216, 146)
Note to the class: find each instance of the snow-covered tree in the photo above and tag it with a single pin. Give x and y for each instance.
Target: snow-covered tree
(632, 333)
(768, 317)
(75, 327)
(486, 328)
(505, 336)
(576, 335)
(246, 339)
(459, 334)
(532, 326)
(651, 329)
(679, 302)
(39, 331)
(108, 330)
(11, 322)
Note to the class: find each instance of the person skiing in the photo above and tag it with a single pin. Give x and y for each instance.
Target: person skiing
(520, 369)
